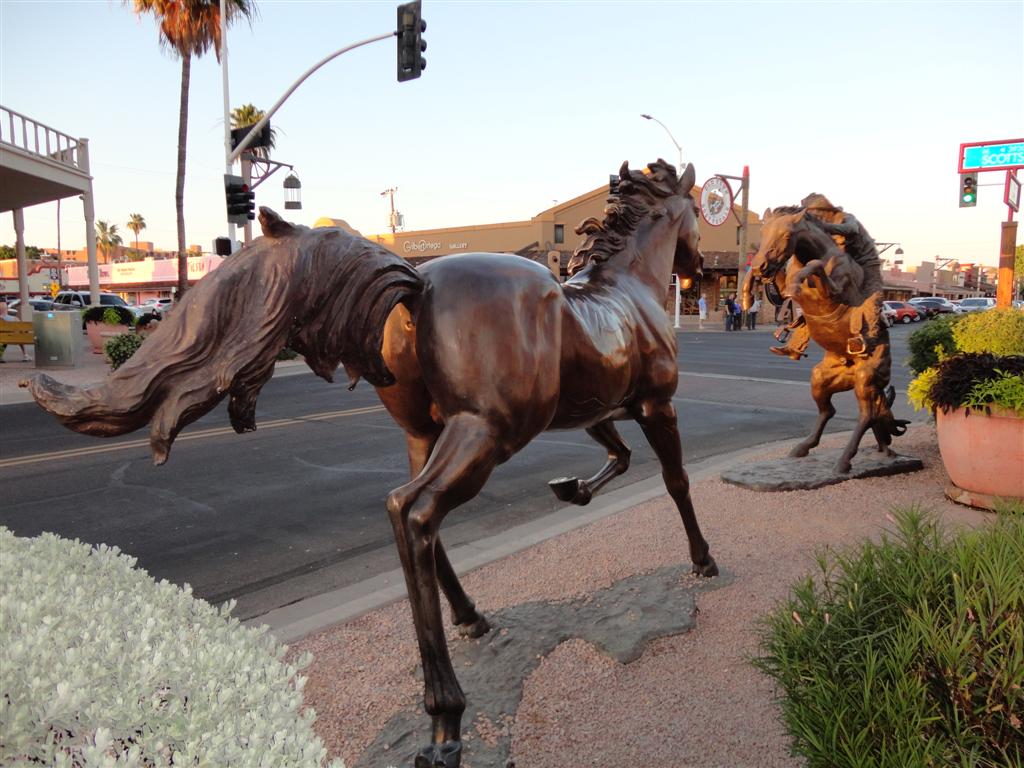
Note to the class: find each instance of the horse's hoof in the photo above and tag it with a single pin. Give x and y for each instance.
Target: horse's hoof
(447, 754)
(707, 569)
(572, 490)
(565, 488)
(843, 468)
(799, 452)
(474, 629)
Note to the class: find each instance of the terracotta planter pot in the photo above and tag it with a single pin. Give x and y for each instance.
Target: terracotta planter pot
(981, 453)
(100, 333)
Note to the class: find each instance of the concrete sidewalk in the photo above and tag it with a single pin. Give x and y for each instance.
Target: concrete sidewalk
(628, 660)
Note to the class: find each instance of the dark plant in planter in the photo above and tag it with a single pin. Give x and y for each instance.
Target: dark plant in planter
(987, 372)
(120, 348)
(108, 315)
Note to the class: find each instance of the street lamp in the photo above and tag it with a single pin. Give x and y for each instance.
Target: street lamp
(649, 117)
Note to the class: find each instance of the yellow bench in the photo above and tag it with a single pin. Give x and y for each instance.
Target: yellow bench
(16, 332)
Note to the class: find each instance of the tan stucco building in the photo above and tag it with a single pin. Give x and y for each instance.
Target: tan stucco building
(550, 238)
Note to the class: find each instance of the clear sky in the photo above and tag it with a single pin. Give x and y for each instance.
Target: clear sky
(527, 103)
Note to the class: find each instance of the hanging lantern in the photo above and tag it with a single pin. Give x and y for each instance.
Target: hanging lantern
(292, 192)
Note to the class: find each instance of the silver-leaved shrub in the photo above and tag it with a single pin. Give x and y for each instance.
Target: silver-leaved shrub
(102, 666)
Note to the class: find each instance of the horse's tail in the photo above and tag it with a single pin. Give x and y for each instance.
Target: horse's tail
(323, 292)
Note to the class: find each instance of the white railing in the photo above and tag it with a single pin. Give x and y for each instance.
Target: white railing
(26, 134)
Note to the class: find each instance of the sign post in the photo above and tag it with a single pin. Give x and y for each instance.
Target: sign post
(1008, 155)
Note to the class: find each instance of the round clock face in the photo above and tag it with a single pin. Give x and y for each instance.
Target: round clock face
(715, 200)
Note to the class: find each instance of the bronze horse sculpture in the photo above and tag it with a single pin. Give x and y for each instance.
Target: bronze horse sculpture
(828, 286)
(473, 356)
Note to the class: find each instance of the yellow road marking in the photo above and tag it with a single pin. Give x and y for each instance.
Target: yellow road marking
(37, 458)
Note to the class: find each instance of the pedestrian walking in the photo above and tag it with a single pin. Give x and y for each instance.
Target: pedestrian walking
(702, 310)
(755, 307)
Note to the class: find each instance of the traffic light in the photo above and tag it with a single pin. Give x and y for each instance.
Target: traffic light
(241, 201)
(411, 44)
(968, 190)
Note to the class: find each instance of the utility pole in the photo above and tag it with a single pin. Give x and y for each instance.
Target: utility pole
(741, 267)
(393, 220)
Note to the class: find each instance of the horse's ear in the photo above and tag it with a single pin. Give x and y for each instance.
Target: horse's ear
(624, 170)
(273, 225)
(767, 214)
(687, 180)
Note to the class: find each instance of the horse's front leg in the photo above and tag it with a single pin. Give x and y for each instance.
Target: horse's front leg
(470, 622)
(813, 268)
(828, 377)
(460, 463)
(657, 418)
(577, 491)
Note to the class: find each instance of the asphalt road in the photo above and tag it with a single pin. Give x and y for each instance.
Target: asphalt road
(297, 508)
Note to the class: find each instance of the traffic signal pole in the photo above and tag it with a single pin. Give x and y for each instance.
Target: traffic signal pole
(228, 163)
(233, 155)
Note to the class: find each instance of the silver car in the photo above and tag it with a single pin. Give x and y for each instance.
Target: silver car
(976, 304)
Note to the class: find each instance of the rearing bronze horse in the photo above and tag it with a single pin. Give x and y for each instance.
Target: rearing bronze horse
(828, 286)
(473, 356)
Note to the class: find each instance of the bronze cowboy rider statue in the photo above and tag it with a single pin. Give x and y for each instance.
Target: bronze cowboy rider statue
(855, 240)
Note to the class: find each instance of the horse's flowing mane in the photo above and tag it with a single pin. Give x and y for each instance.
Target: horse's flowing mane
(637, 198)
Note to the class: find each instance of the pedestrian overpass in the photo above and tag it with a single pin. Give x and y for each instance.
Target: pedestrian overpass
(39, 164)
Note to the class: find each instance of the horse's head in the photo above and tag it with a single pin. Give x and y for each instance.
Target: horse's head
(688, 262)
(777, 243)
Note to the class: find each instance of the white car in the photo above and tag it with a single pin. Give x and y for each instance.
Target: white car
(976, 304)
(157, 306)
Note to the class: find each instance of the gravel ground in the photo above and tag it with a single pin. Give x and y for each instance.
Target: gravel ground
(690, 700)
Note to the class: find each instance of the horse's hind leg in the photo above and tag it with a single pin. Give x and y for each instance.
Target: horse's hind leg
(459, 465)
(875, 413)
(580, 492)
(657, 418)
(828, 377)
(469, 621)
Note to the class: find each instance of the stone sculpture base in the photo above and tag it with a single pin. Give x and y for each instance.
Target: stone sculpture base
(620, 621)
(816, 470)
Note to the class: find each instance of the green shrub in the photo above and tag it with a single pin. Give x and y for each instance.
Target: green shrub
(999, 331)
(287, 354)
(102, 666)
(120, 348)
(907, 653)
(109, 315)
(931, 342)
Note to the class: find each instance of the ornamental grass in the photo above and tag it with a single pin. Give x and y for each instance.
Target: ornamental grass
(907, 652)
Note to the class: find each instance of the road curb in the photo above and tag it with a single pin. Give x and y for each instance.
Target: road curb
(297, 620)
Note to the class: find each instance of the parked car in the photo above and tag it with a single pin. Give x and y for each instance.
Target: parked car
(899, 312)
(159, 306)
(80, 299)
(976, 304)
(38, 304)
(935, 305)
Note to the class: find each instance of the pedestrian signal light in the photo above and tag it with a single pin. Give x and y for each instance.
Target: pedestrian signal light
(968, 190)
(411, 44)
(241, 201)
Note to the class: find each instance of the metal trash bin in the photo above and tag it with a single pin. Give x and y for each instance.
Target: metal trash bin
(58, 338)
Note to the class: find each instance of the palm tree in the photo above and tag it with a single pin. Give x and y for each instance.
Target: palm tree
(248, 114)
(107, 238)
(188, 28)
(136, 224)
